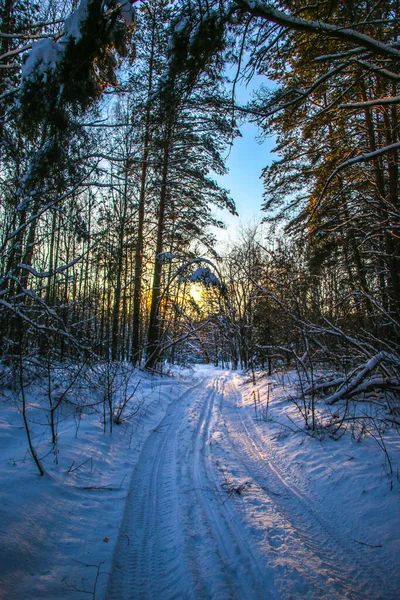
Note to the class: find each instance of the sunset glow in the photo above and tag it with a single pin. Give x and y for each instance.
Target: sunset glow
(196, 292)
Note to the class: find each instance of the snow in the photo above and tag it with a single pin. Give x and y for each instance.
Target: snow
(53, 528)
(73, 24)
(262, 9)
(44, 57)
(211, 490)
(33, 271)
(127, 12)
(165, 257)
(204, 275)
(349, 477)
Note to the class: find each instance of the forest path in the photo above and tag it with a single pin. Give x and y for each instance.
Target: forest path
(211, 516)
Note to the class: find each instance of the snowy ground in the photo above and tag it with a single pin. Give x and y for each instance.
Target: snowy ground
(204, 494)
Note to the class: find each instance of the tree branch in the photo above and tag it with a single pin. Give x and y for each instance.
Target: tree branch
(267, 12)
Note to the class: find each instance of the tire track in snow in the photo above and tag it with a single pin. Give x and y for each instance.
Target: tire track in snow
(179, 539)
(148, 561)
(183, 538)
(330, 564)
(253, 572)
(236, 570)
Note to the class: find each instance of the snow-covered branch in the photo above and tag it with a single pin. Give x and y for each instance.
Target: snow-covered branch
(263, 10)
(375, 102)
(357, 383)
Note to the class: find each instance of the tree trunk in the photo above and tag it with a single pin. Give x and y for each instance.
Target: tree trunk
(137, 293)
(154, 325)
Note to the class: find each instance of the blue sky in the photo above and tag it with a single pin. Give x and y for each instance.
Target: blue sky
(245, 162)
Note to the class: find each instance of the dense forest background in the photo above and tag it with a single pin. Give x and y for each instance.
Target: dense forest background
(115, 120)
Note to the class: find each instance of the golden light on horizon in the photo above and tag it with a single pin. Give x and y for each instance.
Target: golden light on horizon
(196, 292)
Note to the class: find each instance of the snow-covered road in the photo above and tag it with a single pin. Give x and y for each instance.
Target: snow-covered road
(212, 515)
